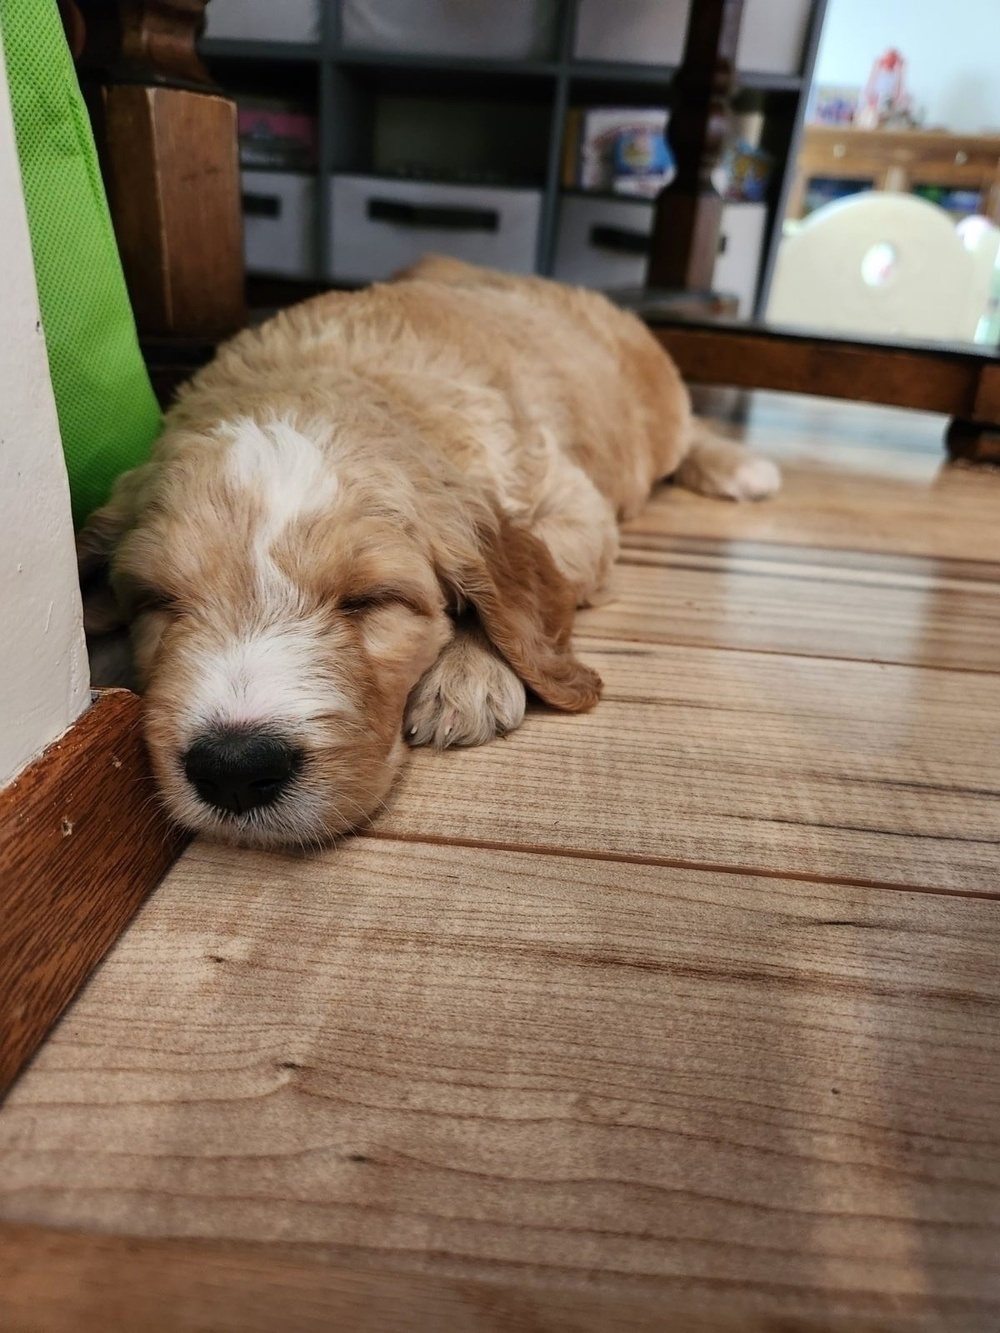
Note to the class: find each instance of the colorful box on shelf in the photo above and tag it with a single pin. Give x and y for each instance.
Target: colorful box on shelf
(745, 173)
(276, 137)
(622, 150)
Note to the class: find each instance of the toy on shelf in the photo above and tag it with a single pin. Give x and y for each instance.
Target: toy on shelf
(885, 102)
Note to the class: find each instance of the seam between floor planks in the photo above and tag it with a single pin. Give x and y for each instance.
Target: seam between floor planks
(851, 559)
(803, 569)
(706, 646)
(674, 863)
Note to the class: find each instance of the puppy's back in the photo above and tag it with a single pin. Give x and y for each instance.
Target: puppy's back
(445, 339)
(622, 405)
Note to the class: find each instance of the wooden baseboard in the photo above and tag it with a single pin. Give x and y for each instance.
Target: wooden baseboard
(83, 839)
(72, 1282)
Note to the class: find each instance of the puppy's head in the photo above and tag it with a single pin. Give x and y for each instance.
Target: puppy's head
(284, 595)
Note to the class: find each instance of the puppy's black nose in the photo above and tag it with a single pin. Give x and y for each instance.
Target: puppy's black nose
(237, 770)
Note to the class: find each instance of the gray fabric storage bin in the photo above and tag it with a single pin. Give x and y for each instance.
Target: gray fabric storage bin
(772, 33)
(511, 30)
(379, 225)
(642, 32)
(278, 217)
(264, 20)
(603, 243)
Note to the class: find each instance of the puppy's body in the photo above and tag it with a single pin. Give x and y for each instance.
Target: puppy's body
(381, 503)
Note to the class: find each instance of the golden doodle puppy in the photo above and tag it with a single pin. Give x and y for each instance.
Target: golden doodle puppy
(370, 521)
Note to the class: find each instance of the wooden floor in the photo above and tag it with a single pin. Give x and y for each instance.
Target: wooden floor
(684, 1014)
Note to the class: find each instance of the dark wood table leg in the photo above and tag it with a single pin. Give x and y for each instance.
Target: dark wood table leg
(973, 442)
(688, 219)
(976, 439)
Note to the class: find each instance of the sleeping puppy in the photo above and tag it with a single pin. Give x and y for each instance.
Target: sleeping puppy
(370, 521)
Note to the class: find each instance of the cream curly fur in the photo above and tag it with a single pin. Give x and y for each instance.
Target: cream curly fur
(374, 516)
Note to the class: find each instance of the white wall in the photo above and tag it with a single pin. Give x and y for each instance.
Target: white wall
(952, 50)
(43, 660)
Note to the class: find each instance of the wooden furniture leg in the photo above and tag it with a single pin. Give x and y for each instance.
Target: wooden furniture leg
(973, 442)
(168, 145)
(976, 438)
(688, 221)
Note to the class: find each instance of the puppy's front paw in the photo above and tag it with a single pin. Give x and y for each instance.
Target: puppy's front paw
(469, 696)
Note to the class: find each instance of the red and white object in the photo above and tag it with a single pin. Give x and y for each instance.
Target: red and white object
(885, 96)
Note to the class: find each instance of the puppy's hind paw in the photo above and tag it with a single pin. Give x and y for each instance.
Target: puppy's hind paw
(755, 478)
(715, 466)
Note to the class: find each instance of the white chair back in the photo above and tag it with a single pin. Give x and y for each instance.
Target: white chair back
(888, 265)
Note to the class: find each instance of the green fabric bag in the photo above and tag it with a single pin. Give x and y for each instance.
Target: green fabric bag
(108, 414)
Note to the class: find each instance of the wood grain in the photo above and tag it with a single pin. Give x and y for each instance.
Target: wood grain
(65, 1282)
(853, 480)
(756, 357)
(988, 401)
(899, 160)
(787, 599)
(170, 167)
(144, 42)
(742, 1095)
(796, 766)
(682, 1014)
(82, 841)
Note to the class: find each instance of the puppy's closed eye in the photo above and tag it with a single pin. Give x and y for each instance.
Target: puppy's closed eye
(147, 598)
(368, 600)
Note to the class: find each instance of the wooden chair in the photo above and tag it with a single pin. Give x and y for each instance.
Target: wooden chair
(167, 142)
(167, 139)
(882, 264)
(962, 383)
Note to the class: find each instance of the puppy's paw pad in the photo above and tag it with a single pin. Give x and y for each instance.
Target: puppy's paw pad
(448, 709)
(754, 478)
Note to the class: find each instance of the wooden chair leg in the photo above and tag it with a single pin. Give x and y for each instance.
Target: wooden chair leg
(973, 441)
(171, 172)
(167, 140)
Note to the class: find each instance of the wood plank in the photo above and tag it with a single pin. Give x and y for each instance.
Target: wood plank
(925, 378)
(71, 1282)
(82, 841)
(753, 1097)
(789, 600)
(789, 765)
(957, 520)
(853, 479)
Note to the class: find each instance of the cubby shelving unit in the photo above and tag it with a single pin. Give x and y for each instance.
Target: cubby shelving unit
(344, 85)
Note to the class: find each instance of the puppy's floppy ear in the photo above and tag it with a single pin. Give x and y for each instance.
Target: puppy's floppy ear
(96, 543)
(526, 607)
